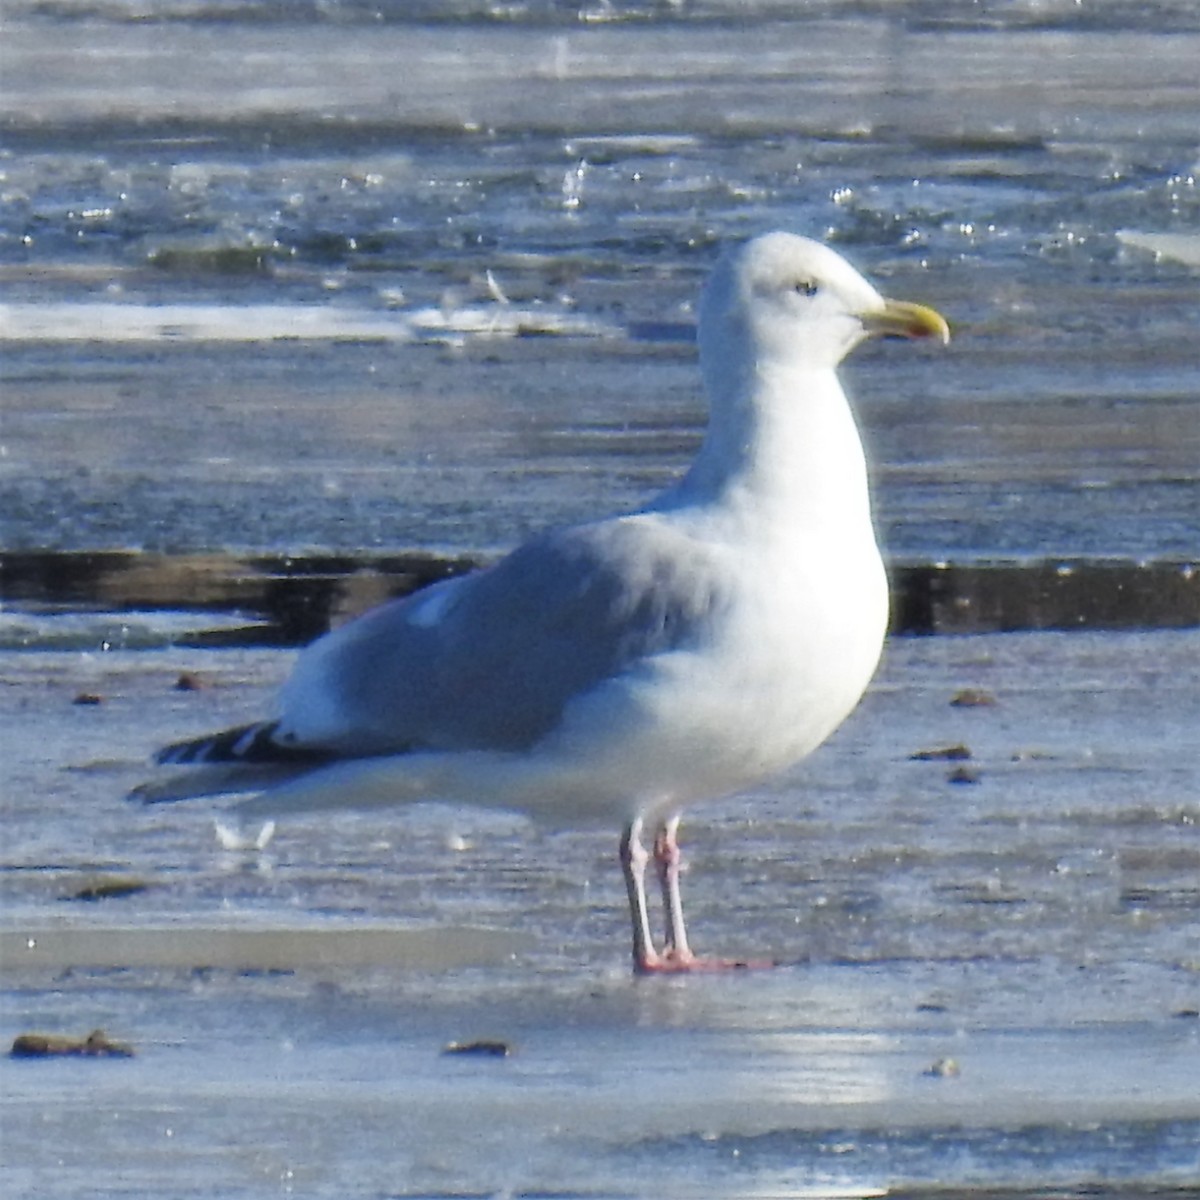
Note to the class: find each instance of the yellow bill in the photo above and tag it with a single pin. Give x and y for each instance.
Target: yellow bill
(898, 318)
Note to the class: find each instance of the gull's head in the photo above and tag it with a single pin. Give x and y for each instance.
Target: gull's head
(787, 299)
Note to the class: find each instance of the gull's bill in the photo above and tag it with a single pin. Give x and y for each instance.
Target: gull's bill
(899, 318)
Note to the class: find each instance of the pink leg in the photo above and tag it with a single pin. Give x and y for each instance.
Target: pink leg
(633, 865)
(667, 858)
(677, 954)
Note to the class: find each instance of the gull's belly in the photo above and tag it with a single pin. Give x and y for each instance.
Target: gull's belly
(759, 692)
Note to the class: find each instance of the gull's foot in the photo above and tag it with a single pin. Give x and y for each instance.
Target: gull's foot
(670, 963)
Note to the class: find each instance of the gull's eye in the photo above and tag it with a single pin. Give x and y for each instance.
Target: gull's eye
(804, 287)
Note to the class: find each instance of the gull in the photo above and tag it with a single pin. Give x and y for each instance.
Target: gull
(627, 667)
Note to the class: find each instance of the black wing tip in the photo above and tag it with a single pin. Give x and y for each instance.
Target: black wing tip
(245, 743)
(254, 743)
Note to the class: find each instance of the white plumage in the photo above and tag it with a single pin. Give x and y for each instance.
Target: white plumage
(628, 667)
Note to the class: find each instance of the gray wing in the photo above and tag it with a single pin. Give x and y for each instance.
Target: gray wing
(489, 661)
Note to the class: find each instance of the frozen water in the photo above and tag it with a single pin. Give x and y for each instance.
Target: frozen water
(303, 183)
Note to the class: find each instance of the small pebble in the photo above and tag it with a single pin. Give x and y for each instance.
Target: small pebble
(111, 888)
(481, 1049)
(189, 682)
(957, 753)
(972, 698)
(97, 1044)
(88, 698)
(963, 775)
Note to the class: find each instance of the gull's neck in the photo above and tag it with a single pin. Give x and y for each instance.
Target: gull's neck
(782, 452)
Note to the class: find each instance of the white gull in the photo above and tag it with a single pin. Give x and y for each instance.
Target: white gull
(631, 666)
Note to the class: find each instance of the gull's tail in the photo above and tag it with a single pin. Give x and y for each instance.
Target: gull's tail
(246, 759)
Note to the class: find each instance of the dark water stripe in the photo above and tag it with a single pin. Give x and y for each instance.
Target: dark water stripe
(298, 597)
